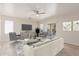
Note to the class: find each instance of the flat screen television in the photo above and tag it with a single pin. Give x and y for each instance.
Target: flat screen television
(26, 27)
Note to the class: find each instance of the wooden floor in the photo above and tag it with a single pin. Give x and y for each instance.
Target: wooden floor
(69, 50)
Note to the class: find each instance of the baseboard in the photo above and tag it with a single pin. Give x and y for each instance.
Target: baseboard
(72, 44)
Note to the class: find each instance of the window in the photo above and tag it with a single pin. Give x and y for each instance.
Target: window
(67, 26)
(41, 26)
(76, 25)
(45, 27)
(8, 26)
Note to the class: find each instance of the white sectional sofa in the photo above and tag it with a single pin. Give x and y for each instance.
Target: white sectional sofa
(47, 48)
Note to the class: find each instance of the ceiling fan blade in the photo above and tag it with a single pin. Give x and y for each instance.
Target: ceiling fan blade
(42, 13)
(34, 10)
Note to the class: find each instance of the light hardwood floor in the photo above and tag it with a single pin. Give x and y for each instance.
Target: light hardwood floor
(69, 50)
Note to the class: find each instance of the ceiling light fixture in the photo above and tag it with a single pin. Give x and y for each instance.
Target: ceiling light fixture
(37, 15)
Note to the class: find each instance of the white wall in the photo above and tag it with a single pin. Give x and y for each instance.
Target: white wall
(70, 37)
(0, 28)
(17, 25)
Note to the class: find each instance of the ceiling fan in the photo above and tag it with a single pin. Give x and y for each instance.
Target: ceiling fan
(38, 12)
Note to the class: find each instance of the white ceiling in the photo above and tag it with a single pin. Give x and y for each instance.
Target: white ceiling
(24, 10)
